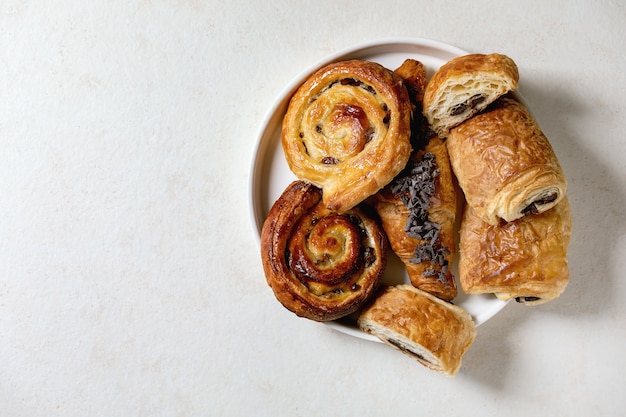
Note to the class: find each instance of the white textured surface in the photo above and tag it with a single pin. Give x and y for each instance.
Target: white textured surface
(130, 279)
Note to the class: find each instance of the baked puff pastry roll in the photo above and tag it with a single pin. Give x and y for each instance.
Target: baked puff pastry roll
(420, 325)
(466, 85)
(418, 212)
(347, 131)
(525, 260)
(321, 264)
(504, 163)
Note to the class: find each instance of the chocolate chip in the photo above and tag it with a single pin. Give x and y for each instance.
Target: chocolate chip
(532, 207)
(398, 345)
(527, 299)
(471, 102)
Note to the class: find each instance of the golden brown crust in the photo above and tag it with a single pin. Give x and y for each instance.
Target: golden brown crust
(320, 264)
(347, 131)
(504, 163)
(525, 259)
(466, 85)
(430, 275)
(413, 72)
(433, 331)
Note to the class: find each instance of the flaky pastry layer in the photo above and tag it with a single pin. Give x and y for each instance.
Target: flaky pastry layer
(422, 326)
(505, 164)
(524, 260)
(466, 85)
(347, 131)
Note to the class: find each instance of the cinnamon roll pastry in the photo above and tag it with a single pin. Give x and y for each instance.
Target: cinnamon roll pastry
(420, 325)
(418, 212)
(321, 264)
(505, 164)
(466, 85)
(525, 259)
(347, 131)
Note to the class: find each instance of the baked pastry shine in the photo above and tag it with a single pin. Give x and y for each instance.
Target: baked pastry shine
(525, 259)
(435, 332)
(504, 163)
(418, 212)
(321, 264)
(347, 131)
(466, 85)
(418, 208)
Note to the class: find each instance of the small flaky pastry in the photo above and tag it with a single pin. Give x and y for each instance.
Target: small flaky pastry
(505, 164)
(525, 260)
(420, 325)
(320, 264)
(466, 85)
(347, 131)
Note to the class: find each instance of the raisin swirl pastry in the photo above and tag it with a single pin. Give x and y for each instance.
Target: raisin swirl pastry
(347, 131)
(320, 264)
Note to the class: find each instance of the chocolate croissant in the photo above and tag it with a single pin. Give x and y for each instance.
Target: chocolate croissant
(347, 131)
(525, 259)
(420, 325)
(418, 211)
(321, 264)
(465, 86)
(418, 208)
(504, 163)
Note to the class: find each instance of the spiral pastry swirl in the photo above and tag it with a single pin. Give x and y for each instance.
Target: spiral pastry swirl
(320, 264)
(347, 130)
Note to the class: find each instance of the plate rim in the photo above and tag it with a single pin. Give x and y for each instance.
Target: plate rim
(289, 89)
(281, 99)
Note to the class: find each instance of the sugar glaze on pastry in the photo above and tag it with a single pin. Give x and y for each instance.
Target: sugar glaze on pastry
(505, 164)
(347, 131)
(320, 264)
(525, 259)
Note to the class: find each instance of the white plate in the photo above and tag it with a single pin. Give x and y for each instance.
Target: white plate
(270, 174)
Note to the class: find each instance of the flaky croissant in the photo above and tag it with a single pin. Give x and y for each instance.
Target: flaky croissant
(418, 208)
(504, 163)
(525, 259)
(418, 212)
(465, 86)
(420, 325)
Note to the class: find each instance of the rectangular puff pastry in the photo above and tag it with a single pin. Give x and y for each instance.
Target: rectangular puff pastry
(505, 164)
(434, 332)
(525, 259)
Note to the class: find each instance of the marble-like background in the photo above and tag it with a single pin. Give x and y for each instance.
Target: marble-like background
(130, 276)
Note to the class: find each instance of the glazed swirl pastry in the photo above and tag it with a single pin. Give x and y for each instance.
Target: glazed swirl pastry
(320, 264)
(347, 131)
(505, 164)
